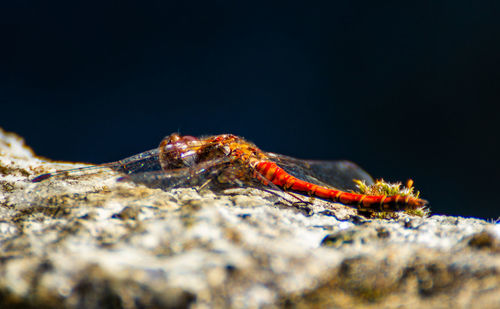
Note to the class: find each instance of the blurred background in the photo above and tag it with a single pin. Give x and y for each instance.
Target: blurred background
(405, 89)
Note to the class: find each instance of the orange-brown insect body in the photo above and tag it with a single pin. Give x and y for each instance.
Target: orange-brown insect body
(266, 171)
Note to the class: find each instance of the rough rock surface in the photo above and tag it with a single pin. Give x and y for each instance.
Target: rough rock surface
(90, 241)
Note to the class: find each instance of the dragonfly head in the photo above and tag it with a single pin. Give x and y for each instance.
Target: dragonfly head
(177, 151)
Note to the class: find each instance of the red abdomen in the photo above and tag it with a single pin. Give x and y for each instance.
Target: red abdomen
(270, 171)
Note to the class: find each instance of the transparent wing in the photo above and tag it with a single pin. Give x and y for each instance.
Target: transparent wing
(333, 174)
(196, 175)
(147, 161)
(142, 162)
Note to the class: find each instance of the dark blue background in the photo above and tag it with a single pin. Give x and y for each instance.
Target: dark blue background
(406, 90)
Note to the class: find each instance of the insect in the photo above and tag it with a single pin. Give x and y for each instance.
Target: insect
(229, 160)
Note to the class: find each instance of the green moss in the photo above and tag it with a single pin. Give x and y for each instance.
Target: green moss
(381, 187)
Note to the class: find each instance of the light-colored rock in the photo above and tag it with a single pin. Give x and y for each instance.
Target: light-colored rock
(91, 241)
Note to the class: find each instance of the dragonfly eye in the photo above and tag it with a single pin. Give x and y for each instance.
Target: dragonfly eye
(189, 138)
(176, 138)
(176, 151)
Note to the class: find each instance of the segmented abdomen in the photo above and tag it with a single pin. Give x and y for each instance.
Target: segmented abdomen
(275, 174)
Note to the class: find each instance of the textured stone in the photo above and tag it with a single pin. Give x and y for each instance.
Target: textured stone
(90, 241)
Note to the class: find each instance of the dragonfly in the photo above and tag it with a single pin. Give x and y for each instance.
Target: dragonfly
(228, 160)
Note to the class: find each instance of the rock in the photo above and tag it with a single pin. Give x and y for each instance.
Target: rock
(90, 241)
